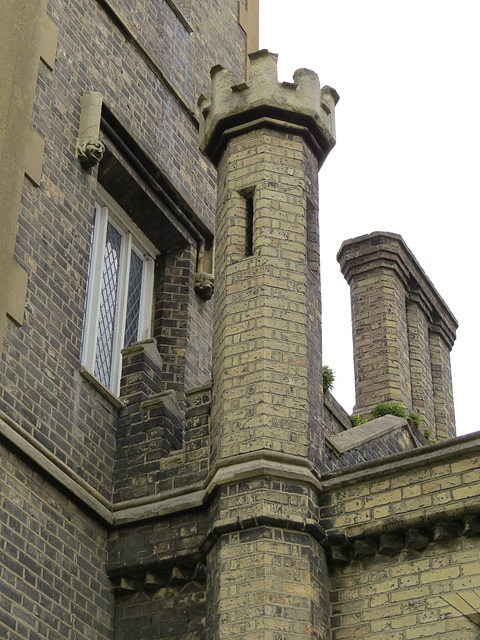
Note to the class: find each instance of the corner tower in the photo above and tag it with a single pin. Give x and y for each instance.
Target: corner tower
(268, 141)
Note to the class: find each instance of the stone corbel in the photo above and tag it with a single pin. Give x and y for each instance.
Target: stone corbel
(204, 285)
(90, 148)
(204, 281)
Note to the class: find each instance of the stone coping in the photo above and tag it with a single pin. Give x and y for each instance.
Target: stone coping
(462, 446)
(371, 430)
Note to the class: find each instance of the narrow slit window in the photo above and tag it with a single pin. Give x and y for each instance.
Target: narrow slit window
(313, 239)
(249, 226)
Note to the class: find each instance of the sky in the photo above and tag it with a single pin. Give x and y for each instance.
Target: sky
(407, 158)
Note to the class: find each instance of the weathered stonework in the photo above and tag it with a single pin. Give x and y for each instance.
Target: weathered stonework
(195, 506)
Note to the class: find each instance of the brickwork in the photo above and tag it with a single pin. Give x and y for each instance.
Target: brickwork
(182, 323)
(267, 583)
(380, 339)
(442, 385)
(198, 506)
(397, 442)
(176, 612)
(408, 495)
(157, 546)
(52, 562)
(41, 388)
(402, 332)
(420, 362)
(424, 575)
(149, 67)
(260, 366)
(267, 302)
(159, 582)
(336, 419)
(151, 426)
(417, 594)
(160, 448)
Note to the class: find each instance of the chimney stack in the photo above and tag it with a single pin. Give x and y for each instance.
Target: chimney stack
(403, 332)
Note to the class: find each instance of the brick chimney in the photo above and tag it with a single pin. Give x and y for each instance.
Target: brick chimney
(403, 331)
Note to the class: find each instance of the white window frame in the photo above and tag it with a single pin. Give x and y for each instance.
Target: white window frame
(132, 238)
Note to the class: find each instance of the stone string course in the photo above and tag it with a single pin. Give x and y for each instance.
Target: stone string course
(199, 506)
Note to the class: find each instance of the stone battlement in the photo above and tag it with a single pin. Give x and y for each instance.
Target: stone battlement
(302, 103)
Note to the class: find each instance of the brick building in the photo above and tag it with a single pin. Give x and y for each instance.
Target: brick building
(171, 466)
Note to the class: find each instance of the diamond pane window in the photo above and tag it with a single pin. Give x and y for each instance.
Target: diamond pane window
(119, 299)
(133, 299)
(108, 302)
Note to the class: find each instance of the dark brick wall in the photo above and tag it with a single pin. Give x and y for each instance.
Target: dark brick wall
(53, 573)
(40, 386)
(175, 612)
(160, 449)
(52, 562)
(182, 323)
(157, 546)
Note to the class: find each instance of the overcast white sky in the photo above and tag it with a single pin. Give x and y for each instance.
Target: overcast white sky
(407, 158)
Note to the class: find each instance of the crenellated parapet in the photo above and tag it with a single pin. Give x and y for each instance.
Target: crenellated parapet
(231, 107)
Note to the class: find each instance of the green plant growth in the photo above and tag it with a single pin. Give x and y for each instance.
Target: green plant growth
(389, 408)
(357, 420)
(429, 436)
(415, 418)
(328, 379)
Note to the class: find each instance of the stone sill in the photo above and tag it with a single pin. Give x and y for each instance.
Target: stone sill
(101, 388)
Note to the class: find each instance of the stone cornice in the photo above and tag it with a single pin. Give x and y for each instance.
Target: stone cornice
(388, 250)
(247, 466)
(134, 511)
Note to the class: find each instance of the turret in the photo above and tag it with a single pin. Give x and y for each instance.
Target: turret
(268, 140)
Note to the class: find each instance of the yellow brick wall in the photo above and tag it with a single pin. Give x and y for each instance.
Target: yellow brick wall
(413, 492)
(265, 584)
(380, 339)
(442, 387)
(418, 594)
(260, 367)
(430, 590)
(403, 332)
(420, 363)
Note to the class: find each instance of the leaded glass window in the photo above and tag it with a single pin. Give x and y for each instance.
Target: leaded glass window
(119, 299)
